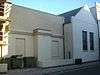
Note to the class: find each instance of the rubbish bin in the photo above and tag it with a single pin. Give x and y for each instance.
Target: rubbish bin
(78, 61)
(29, 62)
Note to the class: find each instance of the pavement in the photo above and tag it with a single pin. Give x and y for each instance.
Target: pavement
(51, 71)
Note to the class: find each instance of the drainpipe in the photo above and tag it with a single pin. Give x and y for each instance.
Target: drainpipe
(98, 31)
(98, 38)
(63, 42)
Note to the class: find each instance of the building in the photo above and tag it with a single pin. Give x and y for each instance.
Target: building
(4, 26)
(53, 39)
(81, 35)
(36, 34)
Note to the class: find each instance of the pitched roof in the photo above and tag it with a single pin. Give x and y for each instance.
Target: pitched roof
(69, 14)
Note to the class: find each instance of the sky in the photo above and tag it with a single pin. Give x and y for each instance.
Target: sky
(54, 6)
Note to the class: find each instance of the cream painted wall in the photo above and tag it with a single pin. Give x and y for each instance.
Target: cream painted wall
(60, 48)
(35, 45)
(29, 51)
(44, 48)
(25, 20)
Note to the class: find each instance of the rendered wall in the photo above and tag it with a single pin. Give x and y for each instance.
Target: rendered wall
(25, 20)
(84, 21)
(68, 32)
(29, 51)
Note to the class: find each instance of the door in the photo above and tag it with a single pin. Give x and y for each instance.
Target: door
(20, 46)
(55, 49)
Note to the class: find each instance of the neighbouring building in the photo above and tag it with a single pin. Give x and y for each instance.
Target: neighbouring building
(53, 39)
(4, 26)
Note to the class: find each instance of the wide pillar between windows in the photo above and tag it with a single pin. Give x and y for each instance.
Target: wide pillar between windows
(43, 41)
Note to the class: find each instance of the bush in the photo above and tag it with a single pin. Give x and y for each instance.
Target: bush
(8, 62)
(2, 60)
(15, 63)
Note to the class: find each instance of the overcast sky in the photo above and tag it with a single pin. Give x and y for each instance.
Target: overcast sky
(54, 6)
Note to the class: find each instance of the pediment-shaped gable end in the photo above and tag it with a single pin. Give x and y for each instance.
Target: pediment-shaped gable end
(85, 15)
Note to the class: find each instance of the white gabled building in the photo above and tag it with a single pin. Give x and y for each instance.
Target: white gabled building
(81, 35)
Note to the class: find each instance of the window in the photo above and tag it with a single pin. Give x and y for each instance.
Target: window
(1, 38)
(84, 40)
(1, 33)
(1, 26)
(20, 46)
(91, 34)
(55, 49)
